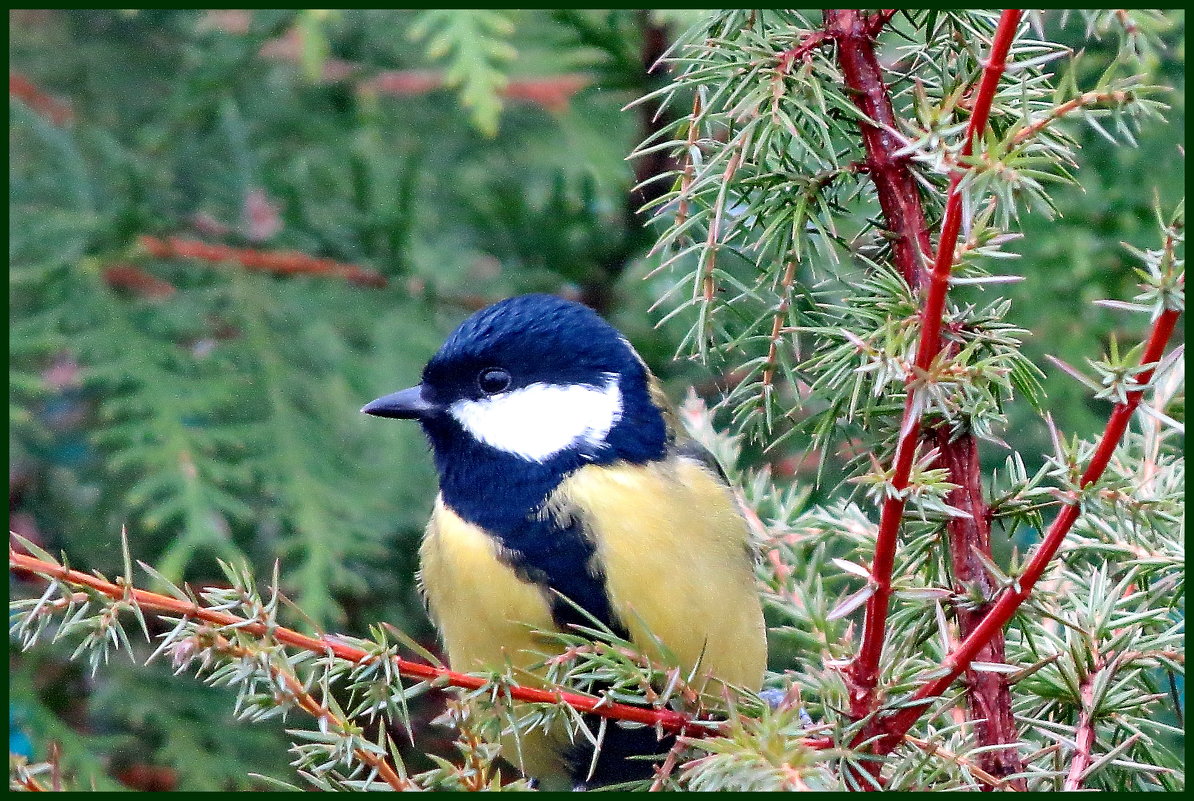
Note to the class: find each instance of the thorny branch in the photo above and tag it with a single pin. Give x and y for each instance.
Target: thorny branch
(989, 696)
(1012, 597)
(666, 719)
(781, 314)
(1085, 736)
(689, 167)
(1084, 100)
(907, 215)
(307, 702)
(708, 282)
(899, 195)
(933, 749)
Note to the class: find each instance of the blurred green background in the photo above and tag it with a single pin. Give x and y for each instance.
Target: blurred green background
(212, 409)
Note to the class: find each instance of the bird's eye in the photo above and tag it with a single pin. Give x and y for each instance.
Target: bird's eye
(493, 380)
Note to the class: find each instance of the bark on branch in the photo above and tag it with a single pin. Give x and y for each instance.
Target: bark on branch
(899, 194)
(988, 696)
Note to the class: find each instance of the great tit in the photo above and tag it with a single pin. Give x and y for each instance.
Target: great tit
(563, 474)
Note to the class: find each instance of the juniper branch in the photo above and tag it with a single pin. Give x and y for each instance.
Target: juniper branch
(1085, 735)
(989, 698)
(864, 670)
(1011, 599)
(899, 195)
(988, 693)
(668, 720)
(325, 716)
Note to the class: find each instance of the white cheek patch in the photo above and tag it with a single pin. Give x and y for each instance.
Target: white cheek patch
(538, 421)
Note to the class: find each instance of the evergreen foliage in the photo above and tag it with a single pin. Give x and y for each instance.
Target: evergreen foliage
(229, 229)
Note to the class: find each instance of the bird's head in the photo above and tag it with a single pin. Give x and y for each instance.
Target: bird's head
(533, 382)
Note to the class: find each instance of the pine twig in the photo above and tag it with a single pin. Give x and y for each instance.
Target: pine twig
(951, 225)
(664, 771)
(988, 694)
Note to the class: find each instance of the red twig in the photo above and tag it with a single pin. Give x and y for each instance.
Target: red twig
(863, 673)
(989, 697)
(875, 22)
(1009, 601)
(285, 262)
(781, 315)
(136, 280)
(668, 720)
(687, 175)
(28, 93)
(1084, 735)
(326, 717)
(1084, 100)
(951, 226)
(30, 784)
(989, 781)
(811, 42)
(708, 280)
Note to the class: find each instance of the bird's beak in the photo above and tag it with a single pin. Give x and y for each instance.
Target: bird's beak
(409, 404)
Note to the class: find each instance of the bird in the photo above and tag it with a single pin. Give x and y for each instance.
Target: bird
(568, 493)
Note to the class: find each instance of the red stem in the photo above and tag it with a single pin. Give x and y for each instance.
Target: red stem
(930, 339)
(988, 693)
(667, 719)
(1084, 736)
(863, 673)
(899, 195)
(993, 623)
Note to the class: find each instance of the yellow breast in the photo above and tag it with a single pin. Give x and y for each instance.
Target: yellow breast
(483, 610)
(674, 553)
(485, 614)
